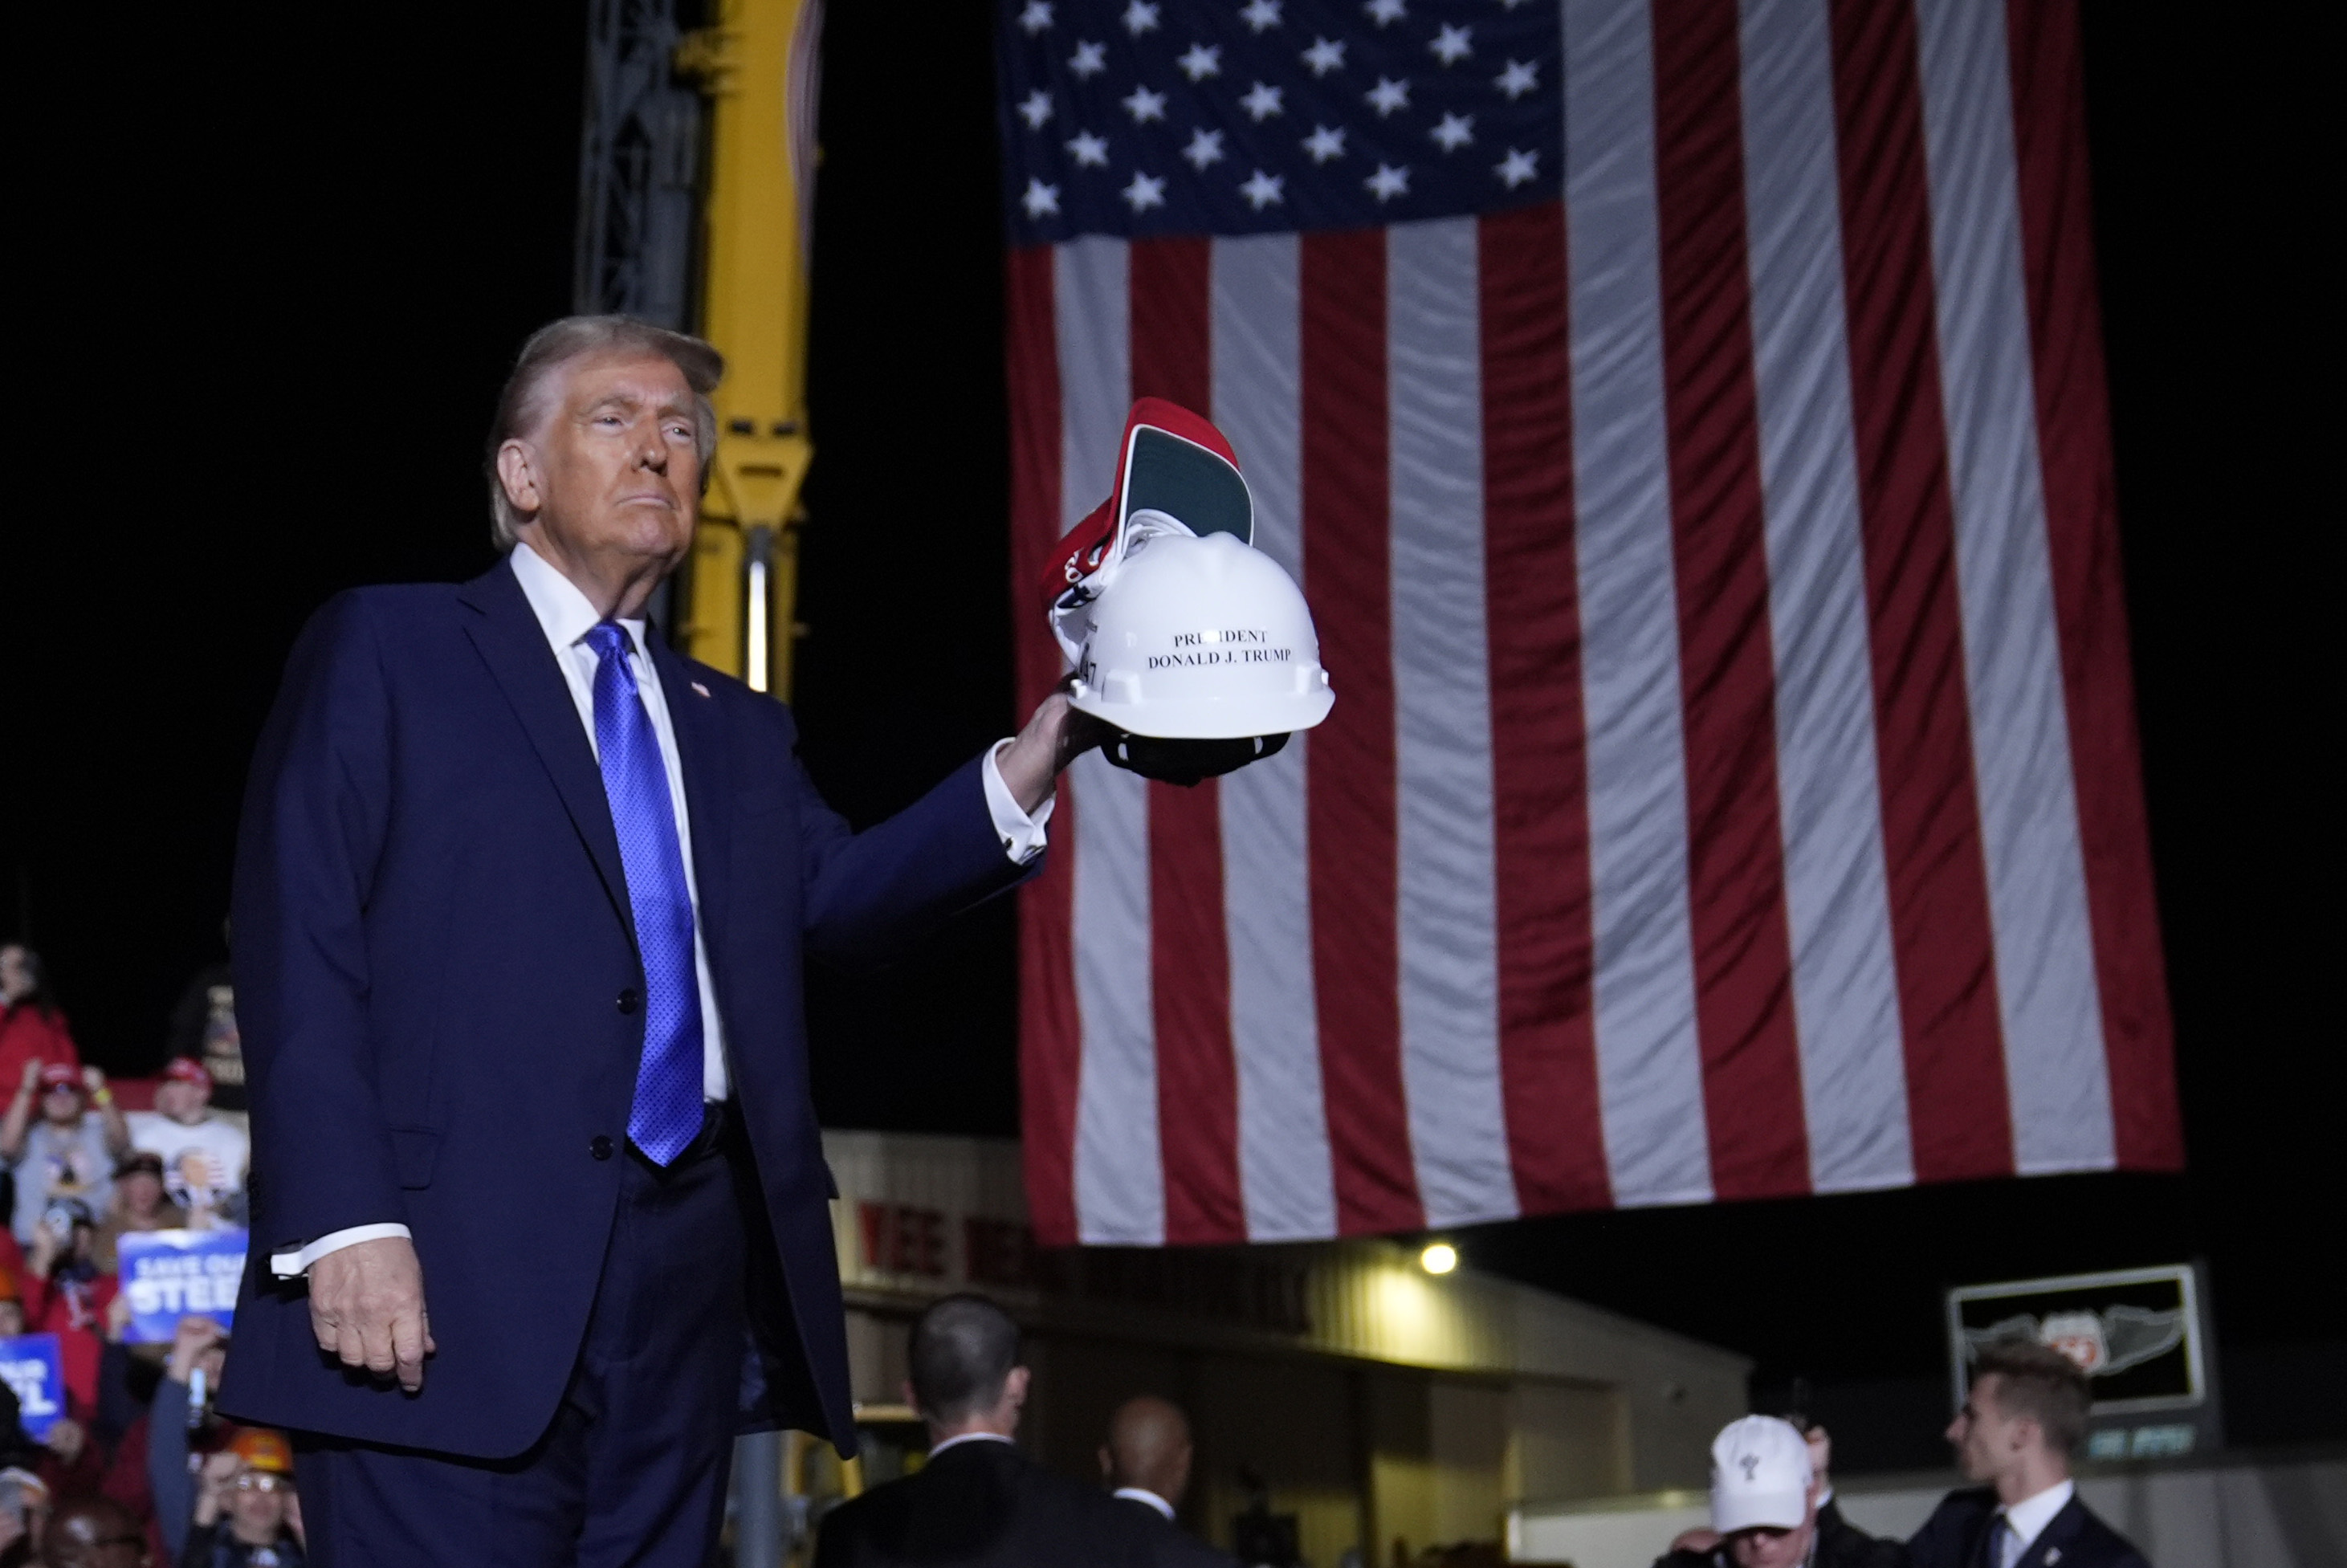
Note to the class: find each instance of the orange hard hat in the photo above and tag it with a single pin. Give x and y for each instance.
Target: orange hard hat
(262, 1448)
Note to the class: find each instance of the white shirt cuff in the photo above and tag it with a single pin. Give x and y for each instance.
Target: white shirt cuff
(1021, 834)
(293, 1264)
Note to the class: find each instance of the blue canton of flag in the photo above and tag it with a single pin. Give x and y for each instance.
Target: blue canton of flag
(1246, 117)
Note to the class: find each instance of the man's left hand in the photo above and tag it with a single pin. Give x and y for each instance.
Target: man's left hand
(1055, 737)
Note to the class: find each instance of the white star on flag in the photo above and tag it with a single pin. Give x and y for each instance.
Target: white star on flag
(1451, 46)
(1035, 18)
(1089, 151)
(1389, 95)
(1324, 144)
(1140, 18)
(1262, 190)
(1261, 14)
(1042, 201)
(1389, 183)
(1455, 131)
(1144, 193)
(1206, 147)
(1517, 168)
(1143, 106)
(1036, 108)
(1201, 62)
(1518, 79)
(1323, 56)
(1384, 11)
(1089, 61)
(1262, 102)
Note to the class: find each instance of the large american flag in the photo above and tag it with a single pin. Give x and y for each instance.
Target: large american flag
(1687, 422)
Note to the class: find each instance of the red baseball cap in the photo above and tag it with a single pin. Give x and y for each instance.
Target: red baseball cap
(188, 1069)
(60, 1075)
(1170, 460)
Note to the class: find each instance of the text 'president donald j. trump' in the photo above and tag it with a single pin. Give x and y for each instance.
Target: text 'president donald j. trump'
(538, 1210)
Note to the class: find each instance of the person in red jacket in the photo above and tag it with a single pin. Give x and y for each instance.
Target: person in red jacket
(32, 1029)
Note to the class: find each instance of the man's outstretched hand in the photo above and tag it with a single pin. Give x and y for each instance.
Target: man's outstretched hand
(1055, 737)
(366, 1306)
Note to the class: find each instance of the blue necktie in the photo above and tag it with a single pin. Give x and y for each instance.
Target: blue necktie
(667, 1113)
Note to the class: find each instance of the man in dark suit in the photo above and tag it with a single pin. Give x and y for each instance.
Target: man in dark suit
(2022, 1423)
(977, 1501)
(521, 898)
(1146, 1463)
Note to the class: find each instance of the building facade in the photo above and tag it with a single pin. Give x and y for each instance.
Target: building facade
(1376, 1404)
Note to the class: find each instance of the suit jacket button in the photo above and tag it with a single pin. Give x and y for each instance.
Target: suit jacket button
(628, 999)
(600, 1146)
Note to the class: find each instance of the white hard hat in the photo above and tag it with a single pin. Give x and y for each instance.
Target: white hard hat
(1199, 638)
(1760, 1475)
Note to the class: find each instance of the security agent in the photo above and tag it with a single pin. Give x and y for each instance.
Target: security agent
(1771, 1507)
(979, 1501)
(2022, 1422)
(1146, 1463)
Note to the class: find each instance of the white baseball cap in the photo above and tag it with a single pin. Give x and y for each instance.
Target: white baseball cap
(1760, 1475)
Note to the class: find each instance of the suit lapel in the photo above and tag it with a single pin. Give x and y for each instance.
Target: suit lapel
(708, 788)
(2052, 1543)
(510, 642)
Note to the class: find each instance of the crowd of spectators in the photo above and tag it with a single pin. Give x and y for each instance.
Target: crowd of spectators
(133, 1465)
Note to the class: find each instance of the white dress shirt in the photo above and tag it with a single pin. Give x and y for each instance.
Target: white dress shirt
(567, 615)
(1142, 1494)
(2025, 1521)
(969, 1438)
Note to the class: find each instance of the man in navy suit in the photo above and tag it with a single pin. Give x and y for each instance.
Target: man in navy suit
(540, 1212)
(2022, 1421)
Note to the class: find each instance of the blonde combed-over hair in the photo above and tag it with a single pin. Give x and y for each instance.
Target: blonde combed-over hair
(524, 404)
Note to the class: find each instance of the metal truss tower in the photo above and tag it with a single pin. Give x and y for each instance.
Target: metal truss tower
(638, 157)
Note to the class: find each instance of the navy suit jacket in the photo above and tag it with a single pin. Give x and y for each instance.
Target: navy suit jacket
(436, 982)
(1956, 1536)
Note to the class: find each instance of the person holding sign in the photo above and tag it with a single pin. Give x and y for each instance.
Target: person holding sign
(521, 901)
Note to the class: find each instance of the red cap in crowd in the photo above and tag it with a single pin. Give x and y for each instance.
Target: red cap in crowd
(60, 1075)
(188, 1069)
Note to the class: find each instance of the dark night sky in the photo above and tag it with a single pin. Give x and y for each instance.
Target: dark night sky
(282, 269)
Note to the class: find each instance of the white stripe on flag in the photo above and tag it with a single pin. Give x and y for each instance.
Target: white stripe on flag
(1120, 1182)
(1448, 957)
(1284, 1175)
(2056, 1068)
(1649, 1063)
(1837, 893)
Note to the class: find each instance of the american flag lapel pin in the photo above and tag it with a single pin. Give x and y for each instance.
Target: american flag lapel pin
(700, 688)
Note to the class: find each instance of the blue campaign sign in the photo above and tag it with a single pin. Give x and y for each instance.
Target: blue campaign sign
(171, 1275)
(31, 1365)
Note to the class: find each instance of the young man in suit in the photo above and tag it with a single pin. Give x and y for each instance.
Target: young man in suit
(978, 1501)
(522, 897)
(2022, 1423)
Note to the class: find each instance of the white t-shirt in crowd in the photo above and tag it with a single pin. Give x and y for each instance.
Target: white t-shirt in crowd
(209, 1158)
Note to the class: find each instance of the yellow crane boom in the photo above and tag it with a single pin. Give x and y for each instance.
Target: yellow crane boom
(756, 62)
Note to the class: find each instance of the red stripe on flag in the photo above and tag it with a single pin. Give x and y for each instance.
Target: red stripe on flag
(2074, 446)
(1958, 1107)
(1050, 1035)
(1350, 795)
(1189, 977)
(1736, 851)
(1540, 797)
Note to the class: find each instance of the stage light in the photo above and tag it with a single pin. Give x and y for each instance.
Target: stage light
(1440, 1257)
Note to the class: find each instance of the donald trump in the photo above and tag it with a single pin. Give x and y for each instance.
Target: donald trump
(539, 1214)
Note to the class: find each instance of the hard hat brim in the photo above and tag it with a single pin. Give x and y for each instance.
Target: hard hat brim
(1208, 718)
